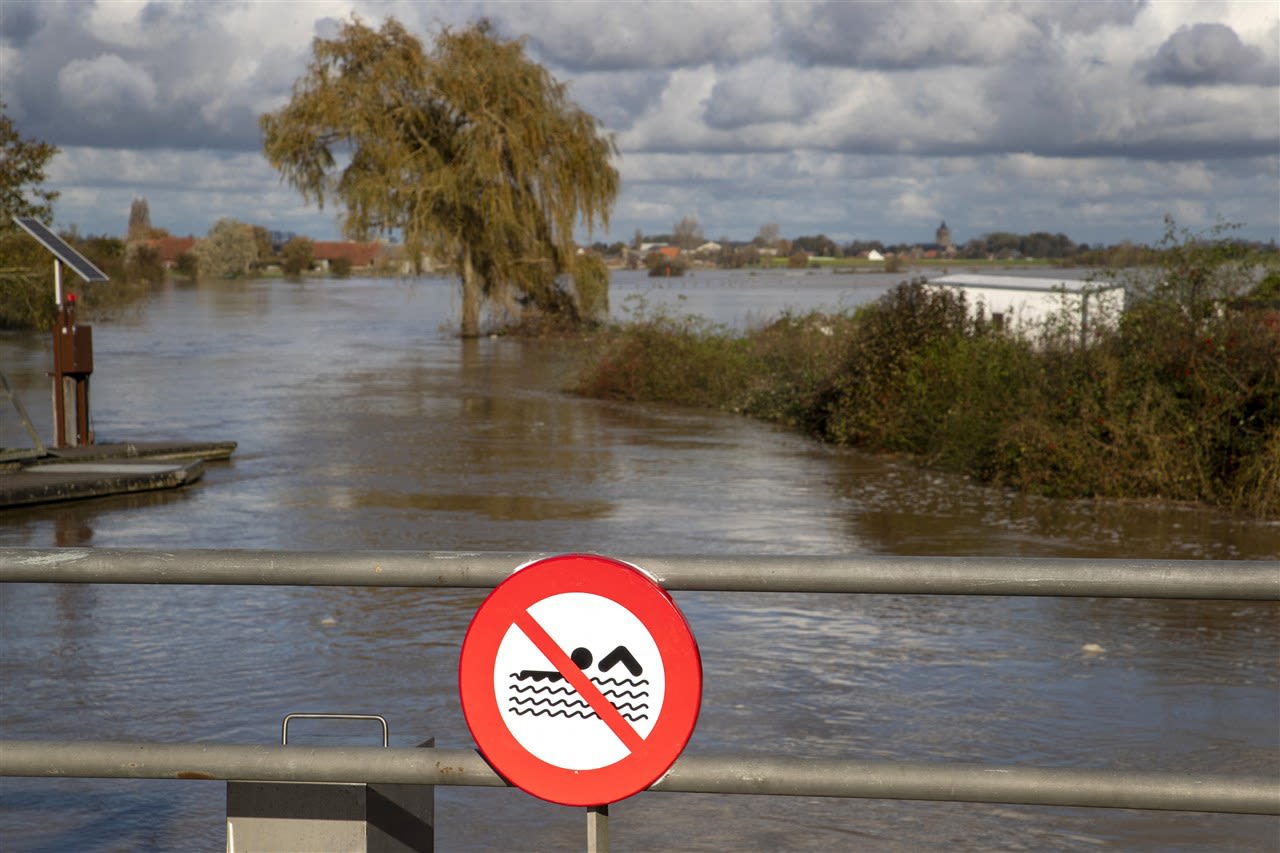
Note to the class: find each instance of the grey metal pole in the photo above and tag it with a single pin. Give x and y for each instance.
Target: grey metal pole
(598, 829)
(275, 763)
(1257, 580)
(974, 783)
(802, 777)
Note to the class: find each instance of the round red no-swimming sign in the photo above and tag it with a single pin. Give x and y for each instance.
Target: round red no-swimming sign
(580, 680)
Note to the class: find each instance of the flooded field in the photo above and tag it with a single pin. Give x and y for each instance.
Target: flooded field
(363, 422)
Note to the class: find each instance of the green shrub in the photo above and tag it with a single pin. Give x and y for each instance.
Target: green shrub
(591, 284)
(142, 263)
(296, 256)
(340, 267)
(662, 357)
(792, 360)
(188, 265)
(664, 266)
(870, 398)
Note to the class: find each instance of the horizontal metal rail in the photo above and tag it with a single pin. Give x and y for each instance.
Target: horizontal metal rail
(1190, 579)
(801, 777)
(1225, 580)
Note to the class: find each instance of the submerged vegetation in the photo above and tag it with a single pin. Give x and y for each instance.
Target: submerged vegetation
(1179, 400)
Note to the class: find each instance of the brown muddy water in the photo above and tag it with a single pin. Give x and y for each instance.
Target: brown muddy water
(364, 423)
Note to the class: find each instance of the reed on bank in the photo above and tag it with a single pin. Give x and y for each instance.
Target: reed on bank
(1178, 400)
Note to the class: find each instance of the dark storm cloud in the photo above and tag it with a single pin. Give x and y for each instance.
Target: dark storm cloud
(1209, 55)
(1083, 18)
(154, 81)
(896, 36)
(18, 23)
(616, 98)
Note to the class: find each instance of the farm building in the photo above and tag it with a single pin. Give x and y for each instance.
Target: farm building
(1024, 304)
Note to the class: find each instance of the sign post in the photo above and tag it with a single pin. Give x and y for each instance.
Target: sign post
(580, 680)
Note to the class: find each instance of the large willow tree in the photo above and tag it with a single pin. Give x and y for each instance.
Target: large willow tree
(473, 151)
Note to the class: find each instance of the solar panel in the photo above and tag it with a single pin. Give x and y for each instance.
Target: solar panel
(61, 250)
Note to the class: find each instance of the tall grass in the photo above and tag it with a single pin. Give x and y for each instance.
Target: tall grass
(1180, 401)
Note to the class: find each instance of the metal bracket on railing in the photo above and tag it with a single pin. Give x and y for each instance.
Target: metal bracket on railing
(284, 728)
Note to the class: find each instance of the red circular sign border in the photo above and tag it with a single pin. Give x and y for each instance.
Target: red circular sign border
(682, 664)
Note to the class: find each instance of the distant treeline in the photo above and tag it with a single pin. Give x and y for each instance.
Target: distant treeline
(997, 245)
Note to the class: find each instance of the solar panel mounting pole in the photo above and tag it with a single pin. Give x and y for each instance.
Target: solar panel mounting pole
(60, 434)
(72, 343)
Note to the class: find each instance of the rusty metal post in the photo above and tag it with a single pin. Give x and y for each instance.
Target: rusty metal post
(72, 364)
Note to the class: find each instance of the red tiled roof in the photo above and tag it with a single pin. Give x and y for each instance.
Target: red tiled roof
(171, 248)
(360, 254)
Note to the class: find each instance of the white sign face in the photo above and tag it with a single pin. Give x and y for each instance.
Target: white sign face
(616, 653)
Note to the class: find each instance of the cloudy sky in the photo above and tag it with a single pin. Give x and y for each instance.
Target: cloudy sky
(853, 119)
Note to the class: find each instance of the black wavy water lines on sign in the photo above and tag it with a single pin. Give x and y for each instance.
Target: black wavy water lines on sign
(641, 706)
(629, 682)
(550, 691)
(625, 694)
(543, 712)
(550, 703)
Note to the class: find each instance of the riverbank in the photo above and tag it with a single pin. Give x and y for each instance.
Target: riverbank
(1177, 403)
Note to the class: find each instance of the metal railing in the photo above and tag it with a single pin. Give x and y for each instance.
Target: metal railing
(1195, 579)
(691, 774)
(1223, 580)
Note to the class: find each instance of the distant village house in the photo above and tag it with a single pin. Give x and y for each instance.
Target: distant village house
(171, 248)
(360, 255)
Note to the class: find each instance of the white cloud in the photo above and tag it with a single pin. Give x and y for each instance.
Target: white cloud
(914, 204)
(104, 84)
(117, 23)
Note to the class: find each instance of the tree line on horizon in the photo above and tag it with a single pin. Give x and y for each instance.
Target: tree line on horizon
(688, 236)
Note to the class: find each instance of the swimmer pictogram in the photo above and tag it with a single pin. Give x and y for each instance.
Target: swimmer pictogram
(630, 696)
(580, 680)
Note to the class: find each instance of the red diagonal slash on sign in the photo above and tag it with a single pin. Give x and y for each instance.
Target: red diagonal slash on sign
(579, 681)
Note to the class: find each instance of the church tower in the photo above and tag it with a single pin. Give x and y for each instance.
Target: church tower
(943, 235)
(139, 221)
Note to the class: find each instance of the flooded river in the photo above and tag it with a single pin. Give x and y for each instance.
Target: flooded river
(363, 422)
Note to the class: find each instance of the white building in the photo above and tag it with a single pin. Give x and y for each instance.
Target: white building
(1025, 305)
